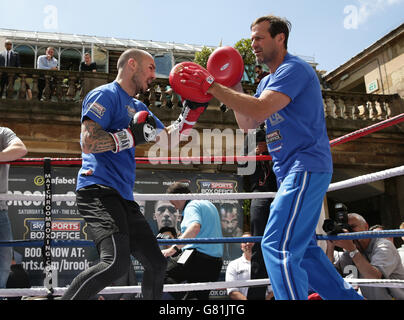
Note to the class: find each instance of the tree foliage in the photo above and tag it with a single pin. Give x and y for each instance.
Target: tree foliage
(202, 56)
(243, 46)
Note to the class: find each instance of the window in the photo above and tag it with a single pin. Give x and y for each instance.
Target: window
(164, 64)
(70, 59)
(27, 55)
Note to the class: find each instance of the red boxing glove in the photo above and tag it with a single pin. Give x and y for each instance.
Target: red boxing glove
(191, 81)
(198, 77)
(189, 115)
(226, 65)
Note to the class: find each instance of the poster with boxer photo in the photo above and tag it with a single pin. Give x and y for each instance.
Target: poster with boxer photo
(27, 217)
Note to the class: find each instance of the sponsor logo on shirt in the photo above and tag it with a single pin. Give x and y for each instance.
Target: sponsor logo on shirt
(131, 111)
(275, 119)
(275, 148)
(97, 109)
(273, 136)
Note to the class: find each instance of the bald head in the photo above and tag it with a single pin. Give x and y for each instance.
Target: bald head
(136, 71)
(357, 217)
(135, 54)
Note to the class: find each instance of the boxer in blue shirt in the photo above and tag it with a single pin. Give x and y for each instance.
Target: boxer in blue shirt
(113, 123)
(289, 100)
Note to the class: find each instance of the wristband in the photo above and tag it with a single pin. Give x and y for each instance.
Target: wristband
(123, 140)
(177, 249)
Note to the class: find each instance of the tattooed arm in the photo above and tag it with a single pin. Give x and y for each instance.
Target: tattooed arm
(94, 139)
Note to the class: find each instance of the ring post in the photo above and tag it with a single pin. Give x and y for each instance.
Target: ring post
(48, 225)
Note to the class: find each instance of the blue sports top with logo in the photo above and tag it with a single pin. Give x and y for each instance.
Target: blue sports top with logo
(296, 135)
(112, 108)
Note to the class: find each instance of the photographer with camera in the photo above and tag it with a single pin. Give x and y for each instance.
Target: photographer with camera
(375, 258)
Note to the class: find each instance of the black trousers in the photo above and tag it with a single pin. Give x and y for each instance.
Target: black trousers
(259, 214)
(119, 229)
(199, 267)
(3, 84)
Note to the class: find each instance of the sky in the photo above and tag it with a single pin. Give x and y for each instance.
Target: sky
(330, 31)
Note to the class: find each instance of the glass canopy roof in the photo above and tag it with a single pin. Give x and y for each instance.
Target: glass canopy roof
(107, 42)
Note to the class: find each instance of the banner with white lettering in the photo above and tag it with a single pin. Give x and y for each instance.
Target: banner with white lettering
(27, 217)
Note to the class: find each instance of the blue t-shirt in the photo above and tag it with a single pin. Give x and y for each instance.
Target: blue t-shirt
(297, 135)
(112, 108)
(206, 214)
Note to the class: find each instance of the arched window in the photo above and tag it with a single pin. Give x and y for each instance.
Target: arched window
(70, 59)
(27, 55)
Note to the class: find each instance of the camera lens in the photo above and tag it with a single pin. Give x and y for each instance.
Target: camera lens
(329, 226)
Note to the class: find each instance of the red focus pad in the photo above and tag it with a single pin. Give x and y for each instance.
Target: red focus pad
(187, 92)
(226, 66)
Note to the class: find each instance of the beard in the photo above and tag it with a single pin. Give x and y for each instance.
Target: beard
(266, 58)
(138, 83)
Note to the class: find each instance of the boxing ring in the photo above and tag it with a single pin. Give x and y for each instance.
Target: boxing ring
(49, 198)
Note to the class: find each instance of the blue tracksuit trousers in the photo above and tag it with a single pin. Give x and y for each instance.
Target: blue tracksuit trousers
(291, 254)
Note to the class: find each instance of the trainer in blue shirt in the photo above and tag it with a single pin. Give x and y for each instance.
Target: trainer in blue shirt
(289, 100)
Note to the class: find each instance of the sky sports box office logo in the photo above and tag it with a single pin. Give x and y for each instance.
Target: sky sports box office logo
(64, 229)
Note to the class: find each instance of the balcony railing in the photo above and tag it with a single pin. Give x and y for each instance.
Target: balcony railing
(72, 86)
(354, 106)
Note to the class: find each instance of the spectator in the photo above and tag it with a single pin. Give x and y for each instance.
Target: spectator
(11, 148)
(379, 227)
(261, 180)
(18, 277)
(240, 269)
(8, 58)
(166, 215)
(260, 73)
(197, 262)
(46, 62)
(87, 65)
(401, 249)
(375, 258)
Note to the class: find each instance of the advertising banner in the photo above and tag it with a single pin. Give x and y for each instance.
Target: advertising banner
(27, 217)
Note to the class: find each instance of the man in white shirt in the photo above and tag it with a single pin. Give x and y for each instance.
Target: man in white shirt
(46, 62)
(240, 269)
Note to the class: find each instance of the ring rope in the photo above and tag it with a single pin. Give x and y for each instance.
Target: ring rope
(58, 291)
(368, 130)
(226, 159)
(364, 179)
(255, 239)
